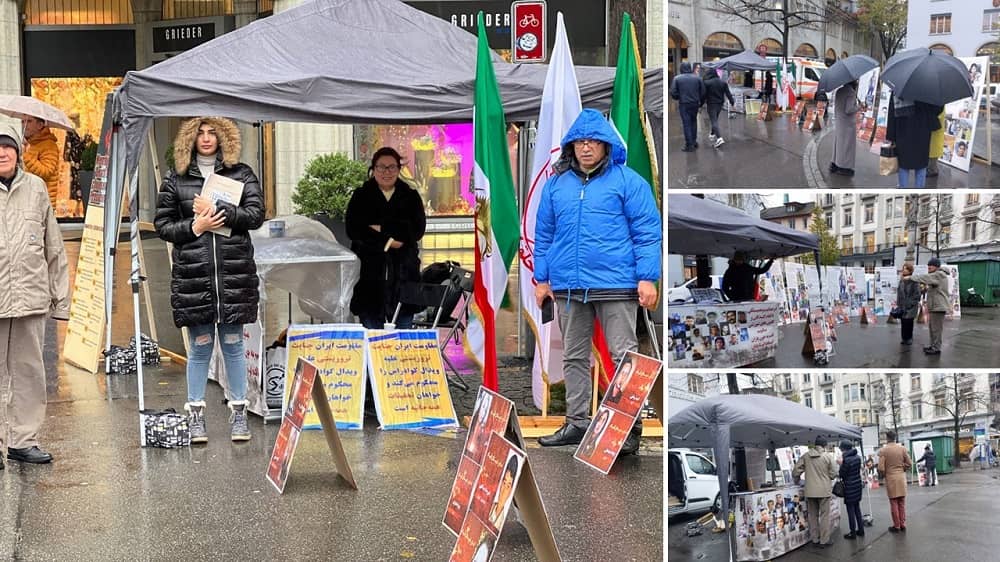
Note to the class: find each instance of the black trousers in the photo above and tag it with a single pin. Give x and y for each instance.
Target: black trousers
(907, 325)
(854, 516)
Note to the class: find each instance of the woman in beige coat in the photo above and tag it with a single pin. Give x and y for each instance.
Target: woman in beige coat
(894, 463)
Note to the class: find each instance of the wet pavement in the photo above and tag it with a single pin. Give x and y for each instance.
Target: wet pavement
(955, 520)
(778, 154)
(104, 497)
(968, 342)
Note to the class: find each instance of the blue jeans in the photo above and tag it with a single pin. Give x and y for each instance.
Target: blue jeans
(233, 356)
(904, 177)
(689, 119)
(854, 516)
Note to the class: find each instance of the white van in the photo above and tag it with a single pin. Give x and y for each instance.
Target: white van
(692, 483)
(681, 293)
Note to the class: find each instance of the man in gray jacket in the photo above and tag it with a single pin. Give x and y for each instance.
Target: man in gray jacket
(33, 260)
(820, 470)
(938, 302)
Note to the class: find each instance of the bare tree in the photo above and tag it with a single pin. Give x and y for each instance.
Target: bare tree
(955, 394)
(782, 15)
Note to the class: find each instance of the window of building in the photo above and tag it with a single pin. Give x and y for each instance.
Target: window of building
(922, 236)
(721, 44)
(182, 9)
(827, 199)
(869, 242)
(915, 381)
(806, 50)
(992, 50)
(991, 21)
(809, 401)
(917, 411)
(791, 223)
(696, 384)
(970, 229)
(996, 225)
(828, 217)
(971, 200)
(945, 234)
(848, 217)
(806, 378)
(70, 12)
(774, 47)
(888, 236)
(854, 392)
(940, 24)
(939, 410)
(869, 212)
(943, 47)
(827, 398)
(788, 382)
(847, 244)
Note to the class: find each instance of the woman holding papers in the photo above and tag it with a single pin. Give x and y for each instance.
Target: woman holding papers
(385, 221)
(207, 207)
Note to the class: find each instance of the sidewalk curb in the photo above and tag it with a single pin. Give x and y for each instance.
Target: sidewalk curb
(810, 162)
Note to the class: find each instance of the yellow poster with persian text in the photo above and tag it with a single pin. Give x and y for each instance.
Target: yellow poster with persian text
(408, 379)
(338, 351)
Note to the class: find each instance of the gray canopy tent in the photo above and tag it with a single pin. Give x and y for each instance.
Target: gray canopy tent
(753, 421)
(704, 226)
(747, 60)
(331, 61)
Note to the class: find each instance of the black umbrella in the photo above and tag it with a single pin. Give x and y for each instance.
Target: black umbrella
(927, 75)
(844, 71)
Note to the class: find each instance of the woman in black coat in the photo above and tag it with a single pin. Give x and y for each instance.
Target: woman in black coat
(213, 285)
(908, 301)
(385, 221)
(910, 125)
(850, 475)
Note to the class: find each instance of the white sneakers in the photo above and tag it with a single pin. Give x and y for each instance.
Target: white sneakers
(719, 142)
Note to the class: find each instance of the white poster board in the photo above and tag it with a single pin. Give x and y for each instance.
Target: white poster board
(857, 289)
(960, 117)
(725, 335)
(886, 282)
(798, 291)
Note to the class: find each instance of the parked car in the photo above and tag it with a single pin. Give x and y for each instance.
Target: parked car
(692, 483)
(682, 293)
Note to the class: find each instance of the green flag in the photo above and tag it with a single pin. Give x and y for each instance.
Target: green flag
(627, 113)
(496, 212)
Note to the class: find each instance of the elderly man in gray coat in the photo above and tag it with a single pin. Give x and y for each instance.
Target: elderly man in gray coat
(820, 470)
(938, 302)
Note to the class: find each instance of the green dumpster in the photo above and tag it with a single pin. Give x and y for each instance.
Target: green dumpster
(979, 271)
(943, 446)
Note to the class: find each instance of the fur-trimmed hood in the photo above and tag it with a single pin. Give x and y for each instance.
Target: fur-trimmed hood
(225, 129)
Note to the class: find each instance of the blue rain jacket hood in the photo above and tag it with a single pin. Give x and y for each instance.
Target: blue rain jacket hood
(592, 125)
(600, 230)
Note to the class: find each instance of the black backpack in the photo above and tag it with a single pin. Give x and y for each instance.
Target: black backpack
(447, 273)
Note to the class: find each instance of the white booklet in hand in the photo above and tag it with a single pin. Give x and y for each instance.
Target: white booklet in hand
(220, 188)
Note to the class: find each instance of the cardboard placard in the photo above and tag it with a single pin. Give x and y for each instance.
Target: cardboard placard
(622, 404)
(476, 512)
(85, 329)
(491, 414)
(304, 389)
(408, 379)
(338, 352)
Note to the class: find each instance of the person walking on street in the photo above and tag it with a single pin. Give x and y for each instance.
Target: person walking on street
(598, 239)
(894, 463)
(36, 287)
(936, 281)
(930, 466)
(716, 93)
(936, 148)
(908, 302)
(820, 470)
(845, 106)
(689, 91)
(850, 475)
(910, 125)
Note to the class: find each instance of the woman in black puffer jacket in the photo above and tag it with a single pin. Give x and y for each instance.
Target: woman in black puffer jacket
(850, 475)
(213, 286)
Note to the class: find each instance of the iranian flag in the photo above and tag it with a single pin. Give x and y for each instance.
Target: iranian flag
(496, 212)
(560, 107)
(628, 116)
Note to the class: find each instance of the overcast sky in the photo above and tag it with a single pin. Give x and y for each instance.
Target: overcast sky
(776, 199)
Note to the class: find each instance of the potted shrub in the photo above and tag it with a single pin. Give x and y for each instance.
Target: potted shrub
(325, 190)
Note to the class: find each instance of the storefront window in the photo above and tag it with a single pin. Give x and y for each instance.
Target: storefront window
(806, 50)
(774, 48)
(85, 98)
(992, 50)
(184, 9)
(720, 45)
(69, 12)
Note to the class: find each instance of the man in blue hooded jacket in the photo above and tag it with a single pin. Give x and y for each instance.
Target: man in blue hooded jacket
(597, 253)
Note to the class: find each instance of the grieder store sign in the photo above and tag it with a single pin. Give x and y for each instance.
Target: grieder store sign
(177, 36)
(586, 20)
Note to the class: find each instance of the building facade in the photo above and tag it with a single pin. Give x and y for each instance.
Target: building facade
(964, 28)
(698, 31)
(872, 228)
(797, 216)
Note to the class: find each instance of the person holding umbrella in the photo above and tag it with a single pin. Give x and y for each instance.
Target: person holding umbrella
(910, 126)
(844, 74)
(937, 147)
